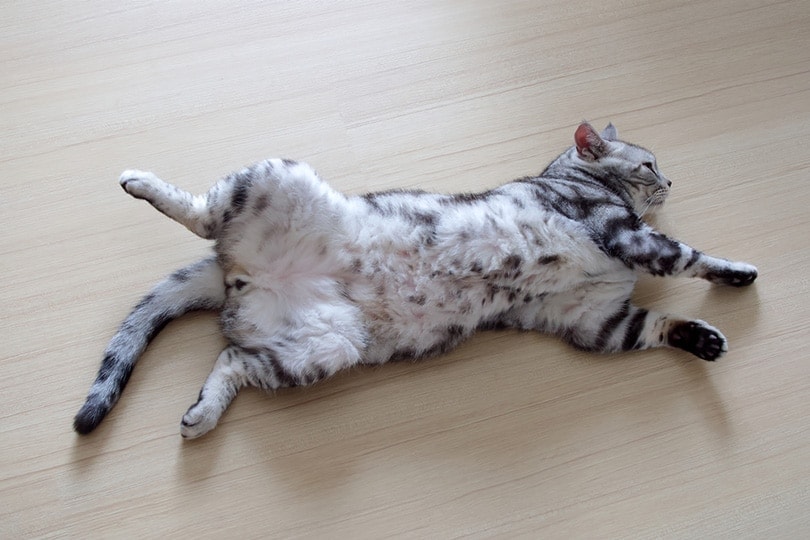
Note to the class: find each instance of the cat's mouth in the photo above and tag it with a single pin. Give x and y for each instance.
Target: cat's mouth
(658, 197)
(655, 200)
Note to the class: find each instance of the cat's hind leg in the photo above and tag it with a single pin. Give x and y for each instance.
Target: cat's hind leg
(292, 362)
(230, 373)
(276, 189)
(191, 211)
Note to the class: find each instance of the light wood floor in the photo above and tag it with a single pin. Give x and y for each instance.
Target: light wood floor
(511, 435)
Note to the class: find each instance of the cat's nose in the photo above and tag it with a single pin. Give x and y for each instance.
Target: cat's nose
(669, 183)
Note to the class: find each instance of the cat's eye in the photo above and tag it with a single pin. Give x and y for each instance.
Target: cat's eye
(649, 165)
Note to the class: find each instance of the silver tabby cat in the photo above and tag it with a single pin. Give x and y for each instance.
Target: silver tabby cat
(309, 281)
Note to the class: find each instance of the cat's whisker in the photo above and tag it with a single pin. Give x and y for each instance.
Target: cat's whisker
(647, 205)
(658, 197)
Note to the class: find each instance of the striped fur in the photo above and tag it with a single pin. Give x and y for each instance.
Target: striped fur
(309, 281)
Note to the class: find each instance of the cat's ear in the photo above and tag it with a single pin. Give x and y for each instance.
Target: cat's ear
(610, 133)
(590, 145)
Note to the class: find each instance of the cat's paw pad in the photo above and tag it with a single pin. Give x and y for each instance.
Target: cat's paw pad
(698, 338)
(197, 422)
(736, 274)
(140, 184)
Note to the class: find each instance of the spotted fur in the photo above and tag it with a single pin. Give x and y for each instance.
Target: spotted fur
(309, 281)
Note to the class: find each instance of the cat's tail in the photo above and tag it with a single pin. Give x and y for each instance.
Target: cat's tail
(195, 287)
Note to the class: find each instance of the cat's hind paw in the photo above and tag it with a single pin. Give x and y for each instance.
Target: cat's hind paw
(197, 422)
(141, 184)
(698, 338)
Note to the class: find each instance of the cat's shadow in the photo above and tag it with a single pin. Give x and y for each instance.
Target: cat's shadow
(740, 306)
(265, 424)
(330, 459)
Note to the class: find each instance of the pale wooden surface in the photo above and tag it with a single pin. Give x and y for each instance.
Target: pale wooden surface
(512, 435)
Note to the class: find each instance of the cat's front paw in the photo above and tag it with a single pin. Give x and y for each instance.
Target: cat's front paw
(197, 422)
(736, 274)
(698, 338)
(140, 184)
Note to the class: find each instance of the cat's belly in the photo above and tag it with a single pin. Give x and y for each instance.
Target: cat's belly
(418, 290)
(408, 317)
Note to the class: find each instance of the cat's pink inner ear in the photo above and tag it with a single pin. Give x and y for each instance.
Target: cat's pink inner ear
(589, 144)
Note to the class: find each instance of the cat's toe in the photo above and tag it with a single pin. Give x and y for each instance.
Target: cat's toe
(698, 338)
(746, 276)
(736, 275)
(139, 184)
(196, 423)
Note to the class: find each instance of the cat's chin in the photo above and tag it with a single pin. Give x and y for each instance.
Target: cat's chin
(652, 213)
(654, 208)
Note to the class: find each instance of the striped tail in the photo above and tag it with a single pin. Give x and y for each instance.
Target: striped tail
(196, 287)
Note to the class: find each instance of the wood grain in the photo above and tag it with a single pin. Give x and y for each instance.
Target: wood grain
(512, 435)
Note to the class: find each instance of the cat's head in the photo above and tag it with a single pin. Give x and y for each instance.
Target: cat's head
(629, 167)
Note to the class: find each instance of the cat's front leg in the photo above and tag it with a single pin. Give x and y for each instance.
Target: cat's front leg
(724, 272)
(694, 263)
(606, 321)
(633, 328)
(657, 254)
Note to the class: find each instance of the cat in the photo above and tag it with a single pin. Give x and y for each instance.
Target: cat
(309, 281)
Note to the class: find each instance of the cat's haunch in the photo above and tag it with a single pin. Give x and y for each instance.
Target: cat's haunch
(309, 281)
